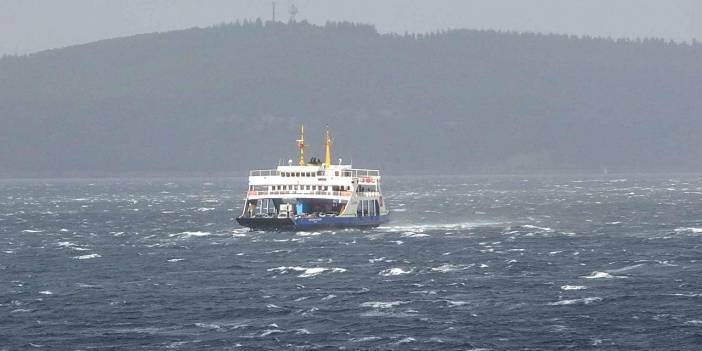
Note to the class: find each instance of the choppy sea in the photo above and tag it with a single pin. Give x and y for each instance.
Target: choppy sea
(466, 263)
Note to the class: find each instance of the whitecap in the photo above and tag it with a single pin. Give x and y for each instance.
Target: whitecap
(381, 304)
(405, 340)
(695, 322)
(328, 297)
(87, 257)
(365, 339)
(438, 226)
(270, 331)
(395, 271)
(307, 272)
(688, 230)
(545, 229)
(32, 231)
(191, 234)
(205, 209)
(457, 303)
(624, 269)
(445, 268)
(414, 235)
(46, 292)
(208, 326)
(311, 272)
(584, 301)
(176, 259)
(573, 287)
(600, 275)
(308, 233)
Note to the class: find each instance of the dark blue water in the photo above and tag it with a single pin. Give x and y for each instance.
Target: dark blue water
(466, 263)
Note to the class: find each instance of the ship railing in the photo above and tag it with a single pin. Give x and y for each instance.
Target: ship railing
(300, 192)
(365, 173)
(264, 173)
(369, 193)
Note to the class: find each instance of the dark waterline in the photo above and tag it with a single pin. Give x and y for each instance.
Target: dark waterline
(498, 263)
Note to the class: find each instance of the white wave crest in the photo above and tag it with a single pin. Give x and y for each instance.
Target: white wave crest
(382, 304)
(688, 230)
(445, 268)
(87, 257)
(395, 271)
(414, 235)
(190, 234)
(544, 229)
(573, 287)
(584, 301)
(307, 272)
(601, 275)
(439, 226)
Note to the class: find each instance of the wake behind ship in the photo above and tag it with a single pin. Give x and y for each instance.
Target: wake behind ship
(313, 195)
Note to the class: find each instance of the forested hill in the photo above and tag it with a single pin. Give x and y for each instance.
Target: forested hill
(229, 98)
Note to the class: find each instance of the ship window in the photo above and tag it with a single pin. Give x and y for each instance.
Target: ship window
(336, 173)
(320, 173)
(307, 188)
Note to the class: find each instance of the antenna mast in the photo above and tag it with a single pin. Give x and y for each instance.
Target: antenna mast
(273, 11)
(301, 145)
(327, 148)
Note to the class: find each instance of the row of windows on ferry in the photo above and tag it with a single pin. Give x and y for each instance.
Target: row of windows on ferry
(299, 187)
(313, 174)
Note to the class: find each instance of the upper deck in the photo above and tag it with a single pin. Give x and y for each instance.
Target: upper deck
(337, 181)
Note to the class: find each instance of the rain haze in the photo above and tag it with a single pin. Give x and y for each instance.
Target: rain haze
(471, 175)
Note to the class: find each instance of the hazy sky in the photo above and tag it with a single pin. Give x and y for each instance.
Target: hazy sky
(33, 25)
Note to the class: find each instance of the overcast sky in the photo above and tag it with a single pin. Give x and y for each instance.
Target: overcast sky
(33, 25)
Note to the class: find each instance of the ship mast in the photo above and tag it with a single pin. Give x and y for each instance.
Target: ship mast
(327, 148)
(301, 145)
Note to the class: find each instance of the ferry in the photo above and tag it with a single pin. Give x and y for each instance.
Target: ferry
(313, 195)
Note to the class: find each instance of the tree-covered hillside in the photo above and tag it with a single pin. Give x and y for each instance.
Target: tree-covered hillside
(229, 98)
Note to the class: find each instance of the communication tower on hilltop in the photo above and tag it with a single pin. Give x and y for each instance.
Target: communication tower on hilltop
(293, 12)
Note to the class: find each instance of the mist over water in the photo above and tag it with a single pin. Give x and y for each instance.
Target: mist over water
(465, 263)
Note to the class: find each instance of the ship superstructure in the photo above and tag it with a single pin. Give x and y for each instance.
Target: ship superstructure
(313, 194)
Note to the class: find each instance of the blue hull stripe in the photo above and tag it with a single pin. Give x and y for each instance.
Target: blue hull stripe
(339, 222)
